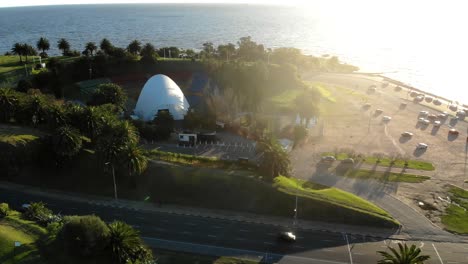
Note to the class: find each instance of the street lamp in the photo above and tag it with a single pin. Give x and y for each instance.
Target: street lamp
(113, 178)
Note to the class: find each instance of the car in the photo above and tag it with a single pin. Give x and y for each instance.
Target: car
(378, 111)
(419, 98)
(328, 159)
(426, 122)
(372, 89)
(428, 99)
(386, 118)
(437, 102)
(385, 84)
(287, 236)
(406, 134)
(421, 120)
(437, 123)
(397, 88)
(403, 105)
(453, 107)
(24, 207)
(442, 116)
(423, 113)
(453, 131)
(421, 146)
(431, 117)
(348, 161)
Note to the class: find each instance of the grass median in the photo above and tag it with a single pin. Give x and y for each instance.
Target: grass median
(386, 176)
(387, 162)
(456, 214)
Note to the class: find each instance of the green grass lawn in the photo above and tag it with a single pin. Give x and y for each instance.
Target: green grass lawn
(14, 229)
(456, 214)
(386, 176)
(285, 101)
(385, 162)
(324, 91)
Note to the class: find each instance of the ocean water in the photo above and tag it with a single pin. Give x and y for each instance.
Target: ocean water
(420, 43)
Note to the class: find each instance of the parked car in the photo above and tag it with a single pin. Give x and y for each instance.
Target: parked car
(397, 88)
(386, 118)
(24, 207)
(421, 146)
(372, 89)
(385, 84)
(426, 122)
(378, 111)
(423, 113)
(348, 161)
(328, 159)
(442, 116)
(437, 123)
(431, 117)
(421, 120)
(287, 236)
(406, 134)
(453, 131)
(437, 102)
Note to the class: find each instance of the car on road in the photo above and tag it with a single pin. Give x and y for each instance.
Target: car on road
(24, 207)
(431, 117)
(442, 116)
(287, 236)
(378, 111)
(419, 98)
(453, 131)
(386, 118)
(426, 122)
(328, 159)
(421, 146)
(437, 102)
(406, 134)
(437, 123)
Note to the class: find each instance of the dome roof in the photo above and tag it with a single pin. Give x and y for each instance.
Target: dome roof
(161, 93)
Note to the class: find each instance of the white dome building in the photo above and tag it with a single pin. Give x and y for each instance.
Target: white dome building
(161, 93)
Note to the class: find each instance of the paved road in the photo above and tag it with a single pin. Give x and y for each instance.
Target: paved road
(224, 237)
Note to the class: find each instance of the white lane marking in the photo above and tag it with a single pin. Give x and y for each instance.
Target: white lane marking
(437, 252)
(359, 254)
(326, 240)
(211, 235)
(328, 250)
(349, 249)
(422, 245)
(453, 262)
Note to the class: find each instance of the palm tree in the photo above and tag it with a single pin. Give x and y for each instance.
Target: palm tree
(404, 255)
(64, 46)
(29, 51)
(90, 47)
(274, 159)
(106, 46)
(43, 44)
(148, 50)
(125, 244)
(66, 142)
(8, 104)
(134, 47)
(134, 157)
(18, 49)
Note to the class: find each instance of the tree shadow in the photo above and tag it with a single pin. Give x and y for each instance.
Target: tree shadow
(434, 130)
(418, 152)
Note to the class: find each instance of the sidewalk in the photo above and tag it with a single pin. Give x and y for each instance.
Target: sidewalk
(210, 213)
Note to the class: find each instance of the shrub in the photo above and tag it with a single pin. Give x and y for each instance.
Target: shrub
(4, 210)
(24, 86)
(84, 236)
(39, 213)
(109, 93)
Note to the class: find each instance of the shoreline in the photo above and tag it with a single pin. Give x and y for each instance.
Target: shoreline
(412, 88)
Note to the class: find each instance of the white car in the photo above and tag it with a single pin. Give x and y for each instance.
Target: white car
(287, 236)
(426, 122)
(421, 120)
(421, 146)
(423, 113)
(386, 118)
(437, 123)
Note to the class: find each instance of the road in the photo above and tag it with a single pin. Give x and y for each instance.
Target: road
(224, 237)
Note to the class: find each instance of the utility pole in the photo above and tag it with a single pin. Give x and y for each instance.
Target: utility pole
(295, 214)
(113, 178)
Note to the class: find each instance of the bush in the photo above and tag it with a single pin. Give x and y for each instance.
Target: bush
(24, 86)
(109, 93)
(4, 210)
(39, 213)
(84, 236)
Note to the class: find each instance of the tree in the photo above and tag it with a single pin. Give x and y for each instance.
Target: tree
(84, 236)
(29, 51)
(300, 133)
(148, 53)
(106, 46)
(226, 51)
(403, 255)
(90, 48)
(38, 212)
(64, 46)
(208, 49)
(274, 159)
(134, 47)
(134, 158)
(109, 93)
(126, 245)
(8, 104)
(164, 122)
(18, 49)
(250, 50)
(43, 44)
(66, 142)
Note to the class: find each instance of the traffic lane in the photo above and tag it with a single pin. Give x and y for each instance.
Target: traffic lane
(184, 227)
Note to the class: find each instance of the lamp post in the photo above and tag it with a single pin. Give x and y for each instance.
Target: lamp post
(113, 178)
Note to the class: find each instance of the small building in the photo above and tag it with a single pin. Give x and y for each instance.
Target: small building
(187, 139)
